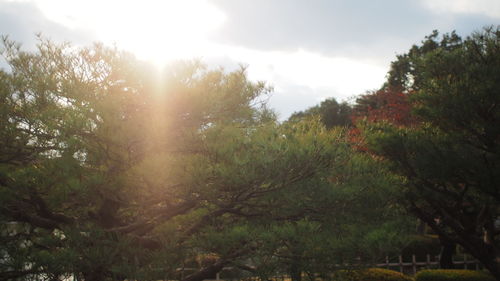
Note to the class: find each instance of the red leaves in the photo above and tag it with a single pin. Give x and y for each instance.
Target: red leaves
(385, 105)
(388, 105)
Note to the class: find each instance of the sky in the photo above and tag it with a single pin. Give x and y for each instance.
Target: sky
(307, 50)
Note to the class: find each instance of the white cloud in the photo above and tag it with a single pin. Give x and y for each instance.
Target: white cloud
(302, 77)
(164, 29)
(489, 8)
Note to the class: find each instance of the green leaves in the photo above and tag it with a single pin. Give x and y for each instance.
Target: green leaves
(451, 158)
(119, 171)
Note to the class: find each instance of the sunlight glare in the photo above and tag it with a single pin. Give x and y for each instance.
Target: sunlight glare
(155, 30)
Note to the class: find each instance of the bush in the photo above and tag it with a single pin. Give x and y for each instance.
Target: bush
(421, 246)
(371, 274)
(452, 274)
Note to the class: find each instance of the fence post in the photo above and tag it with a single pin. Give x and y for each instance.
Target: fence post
(387, 262)
(428, 261)
(414, 263)
(401, 264)
(465, 261)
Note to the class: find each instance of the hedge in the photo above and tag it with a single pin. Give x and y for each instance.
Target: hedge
(421, 246)
(453, 274)
(371, 274)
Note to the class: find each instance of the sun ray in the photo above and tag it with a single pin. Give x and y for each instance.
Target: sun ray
(159, 30)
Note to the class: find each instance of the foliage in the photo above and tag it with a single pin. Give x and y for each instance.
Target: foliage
(330, 112)
(450, 160)
(112, 170)
(452, 274)
(371, 274)
(386, 104)
(421, 246)
(361, 226)
(406, 73)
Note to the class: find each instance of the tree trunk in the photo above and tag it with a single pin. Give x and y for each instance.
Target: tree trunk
(487, 255)
(421, 227)
(480, 248)
(493, 267)
(295, 272)
(448, 248)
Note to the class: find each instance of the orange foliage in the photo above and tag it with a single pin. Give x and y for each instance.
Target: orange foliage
(385, 105)
(389, 104)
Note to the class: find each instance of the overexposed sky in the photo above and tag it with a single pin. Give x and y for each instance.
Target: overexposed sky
(307, 50)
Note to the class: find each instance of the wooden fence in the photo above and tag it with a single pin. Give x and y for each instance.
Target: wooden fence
(406, 267)
(414, 265)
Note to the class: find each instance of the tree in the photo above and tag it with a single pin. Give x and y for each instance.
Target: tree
(108, 172)
(111, 170)
(330, 112)
(386, 104)
(352, 219)
(451, 160)
(405, 74)
(382, 228)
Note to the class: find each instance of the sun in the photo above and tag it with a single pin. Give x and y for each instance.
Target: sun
(160, 31)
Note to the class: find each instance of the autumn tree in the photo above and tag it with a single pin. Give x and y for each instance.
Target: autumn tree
(386, 104)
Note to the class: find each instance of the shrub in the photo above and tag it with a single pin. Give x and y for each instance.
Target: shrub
(421, 245)
(452, 274)
(371, 274)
